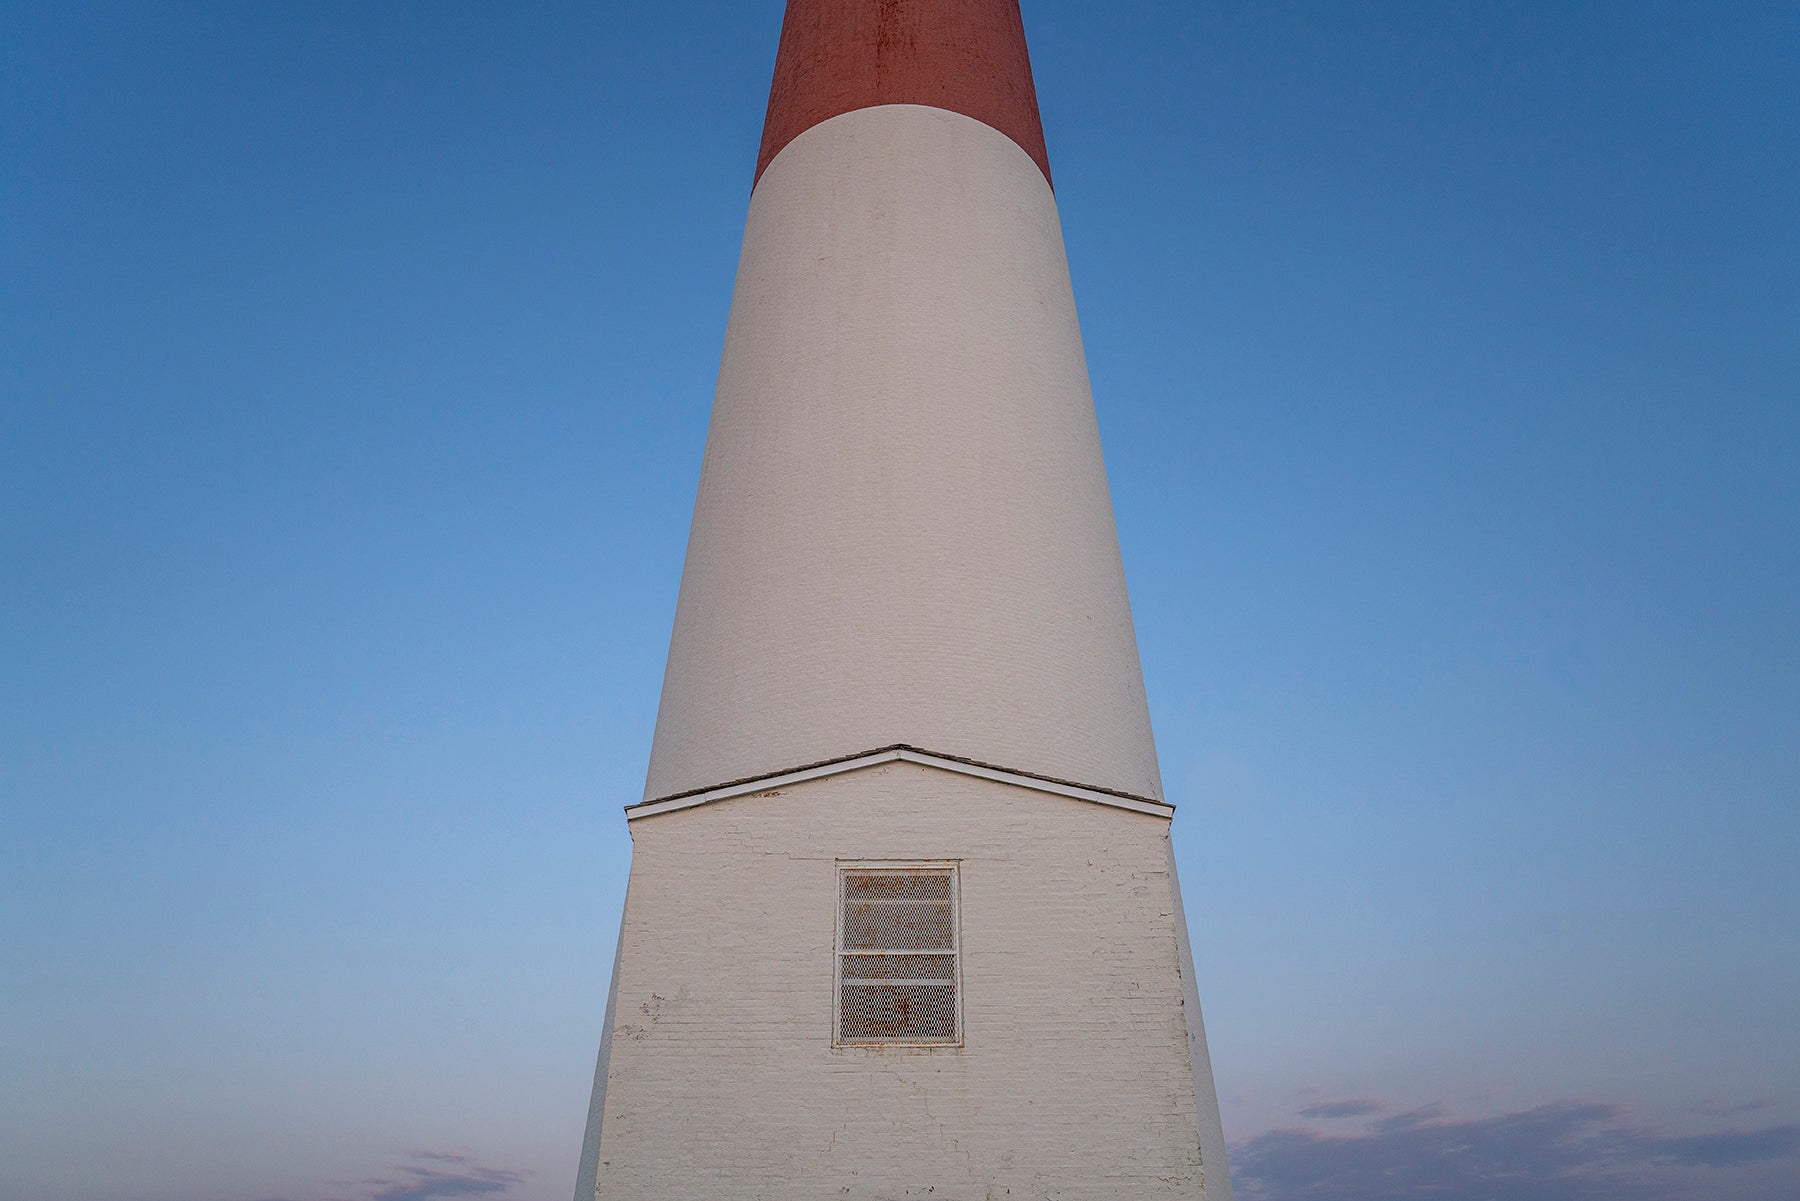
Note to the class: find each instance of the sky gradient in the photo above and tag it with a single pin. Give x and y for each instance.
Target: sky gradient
(355, 363)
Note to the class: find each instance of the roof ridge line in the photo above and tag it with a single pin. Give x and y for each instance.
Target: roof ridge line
(896, 752)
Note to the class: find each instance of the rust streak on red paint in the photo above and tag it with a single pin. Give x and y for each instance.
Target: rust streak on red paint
(967, 56)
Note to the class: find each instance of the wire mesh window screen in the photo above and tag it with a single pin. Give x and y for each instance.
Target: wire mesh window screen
(896, 956)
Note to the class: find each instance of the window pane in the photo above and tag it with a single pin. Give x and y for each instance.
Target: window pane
(899, 967)
(898, 925)
(906, 886)
(906, 1012)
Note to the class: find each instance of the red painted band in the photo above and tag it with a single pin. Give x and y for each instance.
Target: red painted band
(967, 56)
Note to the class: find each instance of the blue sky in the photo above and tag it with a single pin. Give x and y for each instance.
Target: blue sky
(354, 369)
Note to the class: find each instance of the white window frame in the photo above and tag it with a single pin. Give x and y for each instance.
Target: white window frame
(889, 867)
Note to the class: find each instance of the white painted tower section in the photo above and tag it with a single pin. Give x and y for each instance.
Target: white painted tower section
(903, 532)
(903, 643)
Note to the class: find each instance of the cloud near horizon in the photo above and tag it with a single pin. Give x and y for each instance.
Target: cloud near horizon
(441, 1174)
(1565, 1151)
(433, 1176)
(1356, 1107)
(1720, 1110)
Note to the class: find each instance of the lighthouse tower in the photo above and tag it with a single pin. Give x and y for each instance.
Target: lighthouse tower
(903, 918)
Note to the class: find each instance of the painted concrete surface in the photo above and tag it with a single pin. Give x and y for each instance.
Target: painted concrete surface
(903, 532)
(1074, 1080)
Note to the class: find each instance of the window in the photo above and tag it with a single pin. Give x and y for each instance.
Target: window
(897, 971)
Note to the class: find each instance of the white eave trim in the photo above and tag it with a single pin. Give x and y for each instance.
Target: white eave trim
(819, 771)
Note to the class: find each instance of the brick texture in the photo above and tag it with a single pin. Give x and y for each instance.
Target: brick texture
(1074, 1080)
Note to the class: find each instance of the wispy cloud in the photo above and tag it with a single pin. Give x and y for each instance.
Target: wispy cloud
(438, 1174)
(1355, 1107)
(1568, 1151)
(1716, 1109)
(430, 1176)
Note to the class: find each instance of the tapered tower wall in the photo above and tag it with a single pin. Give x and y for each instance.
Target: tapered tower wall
(903, 532)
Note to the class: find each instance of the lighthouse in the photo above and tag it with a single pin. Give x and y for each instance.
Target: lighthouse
(903, 918)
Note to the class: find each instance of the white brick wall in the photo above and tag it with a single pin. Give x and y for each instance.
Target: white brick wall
(1074, 1080)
